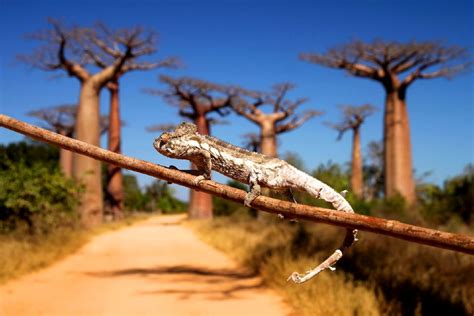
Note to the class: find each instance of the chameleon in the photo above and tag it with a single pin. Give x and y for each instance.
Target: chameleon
(208, 153)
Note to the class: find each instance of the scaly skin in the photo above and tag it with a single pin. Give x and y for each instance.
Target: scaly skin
(257, 170)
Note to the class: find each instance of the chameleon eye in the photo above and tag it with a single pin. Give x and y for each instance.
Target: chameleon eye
(164, 139)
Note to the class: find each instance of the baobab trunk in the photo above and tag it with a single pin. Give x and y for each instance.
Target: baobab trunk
(87, 170)
(269, 148)
(356, 177)
(397, 149)
(65, 159)
(200, 203)
(114, 173)
(268, 139)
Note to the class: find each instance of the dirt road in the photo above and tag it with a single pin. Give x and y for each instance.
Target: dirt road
(156, 267)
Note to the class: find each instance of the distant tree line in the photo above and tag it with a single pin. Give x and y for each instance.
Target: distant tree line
(99, 56)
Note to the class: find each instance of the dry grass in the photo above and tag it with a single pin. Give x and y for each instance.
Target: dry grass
(263, 249)
(20, 254)
(380, 275)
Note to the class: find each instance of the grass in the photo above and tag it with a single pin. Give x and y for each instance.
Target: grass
(21, 254)
(263, 249)
(379, 276)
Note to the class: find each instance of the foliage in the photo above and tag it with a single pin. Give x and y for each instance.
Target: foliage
(37, 196)
(223, 207)
(30, 152)
(157, 196)
(134, 199)
(294, 159)
(330, 173)
(373, 171)
(453, 200)
(160, 196)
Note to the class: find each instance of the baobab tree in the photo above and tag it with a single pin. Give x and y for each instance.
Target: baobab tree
(76, 51)
(282, 117)
(396, 66)
(114, 186)
(352, 119)
(196, 100)
(59, 119)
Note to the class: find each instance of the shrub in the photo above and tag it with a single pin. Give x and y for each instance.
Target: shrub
(35, 196)
(454, 200)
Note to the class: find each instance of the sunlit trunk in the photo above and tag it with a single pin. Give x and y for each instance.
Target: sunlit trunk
(356, 176)
(87, 170)
(397, 149)
(114, 173)
(200, 203)
(268, 147)
(268, 139)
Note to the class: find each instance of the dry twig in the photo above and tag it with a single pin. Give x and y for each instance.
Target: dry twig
(412, 233)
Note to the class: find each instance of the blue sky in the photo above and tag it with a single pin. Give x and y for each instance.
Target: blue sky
(256, 44)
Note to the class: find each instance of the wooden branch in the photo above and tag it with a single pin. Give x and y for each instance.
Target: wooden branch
(426, 236)
(296, 121)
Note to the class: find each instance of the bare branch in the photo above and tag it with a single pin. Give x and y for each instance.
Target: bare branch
(60, 119)
(335, 59)
(194, 96)
(395, 229)
(161, 128)
(380, 59)
(296, 121)
(352, 118)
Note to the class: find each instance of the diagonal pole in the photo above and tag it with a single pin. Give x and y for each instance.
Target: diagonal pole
(396, 229)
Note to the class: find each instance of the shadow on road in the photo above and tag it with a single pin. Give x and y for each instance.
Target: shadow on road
(215, 284)
(179, 269)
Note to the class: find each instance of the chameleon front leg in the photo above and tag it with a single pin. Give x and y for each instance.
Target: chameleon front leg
(204, 167)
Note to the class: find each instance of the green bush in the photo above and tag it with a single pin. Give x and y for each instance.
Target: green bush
(159, 196)
(134, 199)
(30, 152)
(453, 201)
(35, 197)
(223, 207)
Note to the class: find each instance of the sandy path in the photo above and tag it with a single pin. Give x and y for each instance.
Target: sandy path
(157, 267)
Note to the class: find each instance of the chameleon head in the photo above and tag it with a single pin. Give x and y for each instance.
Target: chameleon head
(173, 144)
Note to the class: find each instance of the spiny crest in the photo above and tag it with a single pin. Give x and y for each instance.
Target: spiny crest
(185, 128)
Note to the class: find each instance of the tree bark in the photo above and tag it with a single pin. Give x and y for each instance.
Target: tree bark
(114, 173)
(87, 170)
(397, 149)
(268, 139)
(268, 147)
(200, 203)
(356, 177)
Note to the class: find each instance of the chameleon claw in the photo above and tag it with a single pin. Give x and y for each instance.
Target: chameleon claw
(249, 199)
(199, 179)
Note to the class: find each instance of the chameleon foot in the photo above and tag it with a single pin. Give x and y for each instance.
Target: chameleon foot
(249, 199)
(199, 179)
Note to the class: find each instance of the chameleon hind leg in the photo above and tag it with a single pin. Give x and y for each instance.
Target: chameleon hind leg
(255, 190)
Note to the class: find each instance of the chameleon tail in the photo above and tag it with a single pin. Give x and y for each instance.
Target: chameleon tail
(323, 191)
